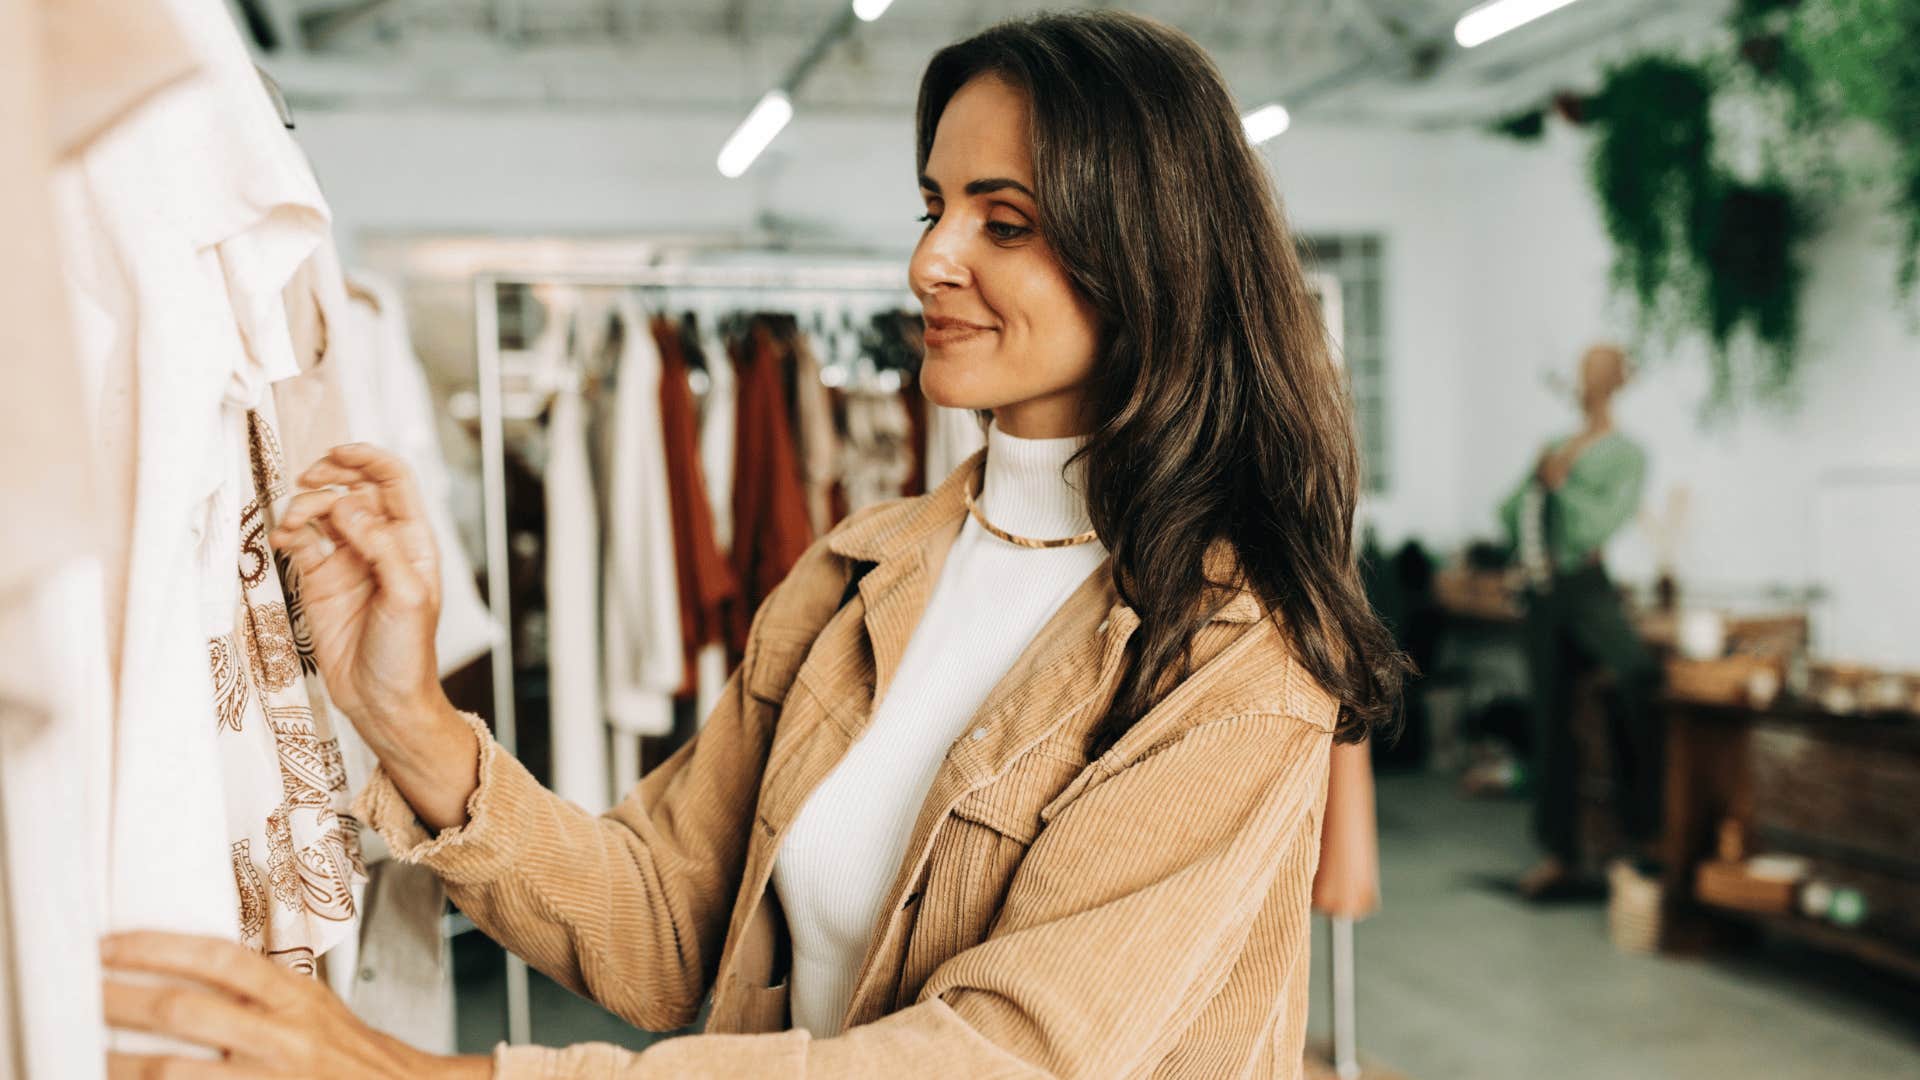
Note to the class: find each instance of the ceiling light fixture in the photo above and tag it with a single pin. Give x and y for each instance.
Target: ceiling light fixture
(754, 133)
(869, 10)
(1265, 122)
(1490, 20)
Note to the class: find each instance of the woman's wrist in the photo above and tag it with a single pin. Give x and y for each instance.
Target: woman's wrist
(436, 766)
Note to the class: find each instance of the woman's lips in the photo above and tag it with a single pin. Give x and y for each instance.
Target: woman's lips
(944, 331)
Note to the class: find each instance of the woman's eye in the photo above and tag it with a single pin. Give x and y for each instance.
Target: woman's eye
(930, 218)
(1002, 230)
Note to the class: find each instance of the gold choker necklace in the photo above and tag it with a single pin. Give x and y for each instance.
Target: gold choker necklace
(1022, 541)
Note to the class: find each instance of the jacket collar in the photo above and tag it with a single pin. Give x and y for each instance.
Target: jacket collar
(900, 529)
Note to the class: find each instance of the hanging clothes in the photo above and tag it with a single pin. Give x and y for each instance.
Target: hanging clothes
(771, 529)
(56, 717)
(181, 225)
(877, 453)
(408, 425)
(705, 578)
(59, 86)
(814, 425)
(645, 660)
(718, 413)
(579, 733)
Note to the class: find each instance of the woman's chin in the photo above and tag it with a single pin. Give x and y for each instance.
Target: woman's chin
(945, 380)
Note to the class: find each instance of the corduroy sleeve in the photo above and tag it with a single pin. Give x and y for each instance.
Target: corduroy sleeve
(628, 908)
(1131, 910)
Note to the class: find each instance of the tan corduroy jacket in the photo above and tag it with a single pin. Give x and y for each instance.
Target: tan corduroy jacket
(1141, 914)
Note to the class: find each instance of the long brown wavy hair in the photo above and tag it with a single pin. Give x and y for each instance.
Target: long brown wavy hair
(1218, 412)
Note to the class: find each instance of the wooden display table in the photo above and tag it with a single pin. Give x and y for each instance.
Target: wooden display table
(1841, 791)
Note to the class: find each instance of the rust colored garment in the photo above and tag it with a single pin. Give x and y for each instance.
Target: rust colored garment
(706, 578)
(1142, 913)
(771, 529)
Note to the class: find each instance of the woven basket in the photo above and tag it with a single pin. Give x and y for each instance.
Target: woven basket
(1635, 909)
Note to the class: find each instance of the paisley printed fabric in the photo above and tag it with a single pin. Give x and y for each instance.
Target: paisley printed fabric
(295, 847)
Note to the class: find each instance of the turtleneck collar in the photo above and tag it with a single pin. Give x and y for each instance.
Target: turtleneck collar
(1024, 490)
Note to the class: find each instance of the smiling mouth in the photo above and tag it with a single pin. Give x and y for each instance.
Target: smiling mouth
(945, 331)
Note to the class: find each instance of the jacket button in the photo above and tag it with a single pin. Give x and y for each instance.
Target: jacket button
(1104, 623)
(979, 733)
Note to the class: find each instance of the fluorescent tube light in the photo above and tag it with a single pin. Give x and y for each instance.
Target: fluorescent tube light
(754, 133)
(1265, 122)
(1490, 20)
(869, 10)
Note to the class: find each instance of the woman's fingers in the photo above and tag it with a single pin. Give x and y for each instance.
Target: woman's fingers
(399, 492)
(197, 1016)
(150, 1067)
(376, 540)
(361, 467)
(309, 505)
(215, 962)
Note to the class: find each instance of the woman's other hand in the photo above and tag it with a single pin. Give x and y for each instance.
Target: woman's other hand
(264, 1020)
(370, 588)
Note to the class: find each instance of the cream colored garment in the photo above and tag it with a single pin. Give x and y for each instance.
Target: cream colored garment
(818, 435)
(876, 457)
(408, 426)
(56, 717)
(579, 730)
(644, 659)
(717, 413)
(181, 225)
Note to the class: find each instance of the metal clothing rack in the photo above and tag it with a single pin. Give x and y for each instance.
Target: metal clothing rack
(825, 280)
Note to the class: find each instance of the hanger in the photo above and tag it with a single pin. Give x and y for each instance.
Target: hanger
(274, 95)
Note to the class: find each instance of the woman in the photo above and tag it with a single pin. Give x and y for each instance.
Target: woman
(1020, 777)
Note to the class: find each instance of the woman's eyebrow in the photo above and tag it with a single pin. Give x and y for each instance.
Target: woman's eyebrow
(982, 187)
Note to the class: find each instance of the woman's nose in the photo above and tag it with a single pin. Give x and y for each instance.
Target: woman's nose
(936, 264)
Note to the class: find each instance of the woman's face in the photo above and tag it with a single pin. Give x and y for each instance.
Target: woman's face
(1006, 330)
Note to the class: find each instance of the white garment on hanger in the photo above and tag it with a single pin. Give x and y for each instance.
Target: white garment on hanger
(717, 416)
(181, 224)
(409, 427)
(579, 730)
(645, 661)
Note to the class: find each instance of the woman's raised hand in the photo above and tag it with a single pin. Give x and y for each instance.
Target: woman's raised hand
(370, 587)
(369, 583)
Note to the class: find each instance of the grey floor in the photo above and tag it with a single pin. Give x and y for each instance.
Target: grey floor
(1458, 981)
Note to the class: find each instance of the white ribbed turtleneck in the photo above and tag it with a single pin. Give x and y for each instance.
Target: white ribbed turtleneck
(839, 857)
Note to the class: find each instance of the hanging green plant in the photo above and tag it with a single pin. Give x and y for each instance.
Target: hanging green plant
(1652, 171)
(1749, 252)
(1864, 57)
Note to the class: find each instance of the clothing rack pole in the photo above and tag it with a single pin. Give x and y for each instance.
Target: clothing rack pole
(494, 482)
(493, 473)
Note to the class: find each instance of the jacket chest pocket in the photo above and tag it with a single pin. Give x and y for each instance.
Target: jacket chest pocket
(976, 853)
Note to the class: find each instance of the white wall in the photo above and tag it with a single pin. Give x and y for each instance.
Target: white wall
(1537, 296)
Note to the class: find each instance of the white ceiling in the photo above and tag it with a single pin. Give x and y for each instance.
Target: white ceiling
(1381, 60)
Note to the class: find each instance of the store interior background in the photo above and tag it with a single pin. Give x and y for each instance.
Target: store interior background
(568, 132)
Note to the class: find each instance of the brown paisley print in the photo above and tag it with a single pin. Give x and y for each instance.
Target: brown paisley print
(269, 639)
(296, 852)
(253, 898)
(229, 682)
